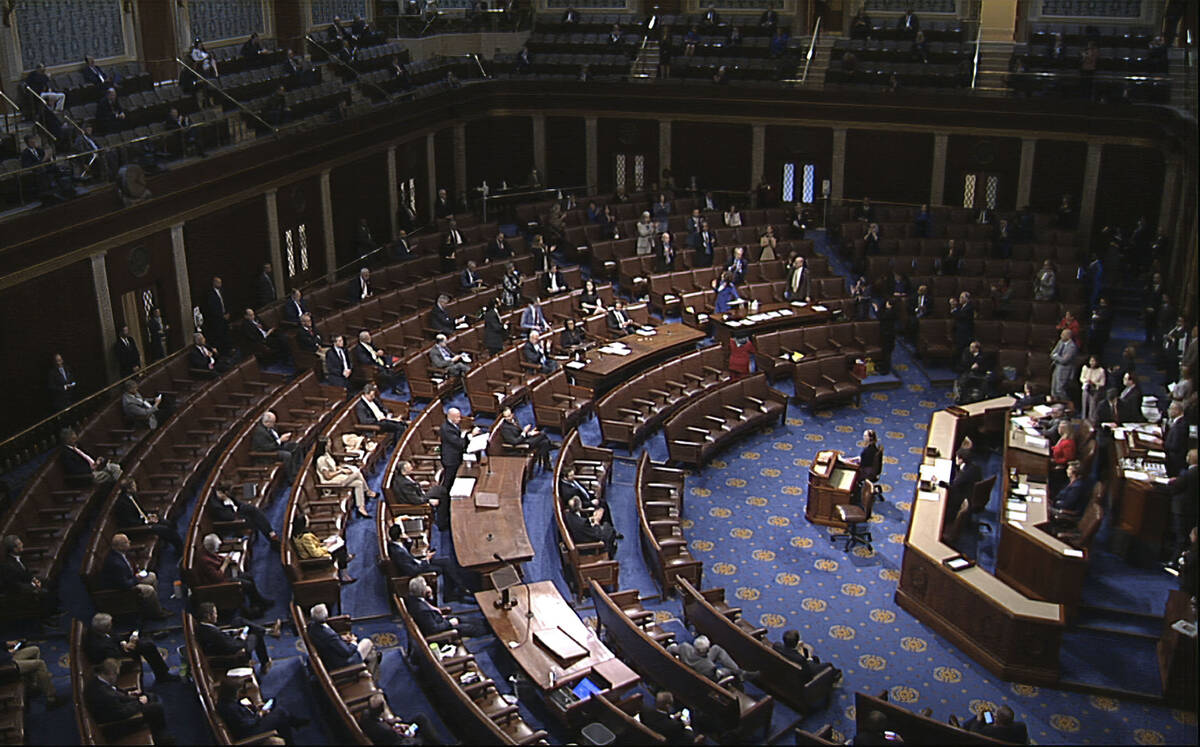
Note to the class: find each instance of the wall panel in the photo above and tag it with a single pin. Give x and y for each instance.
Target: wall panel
(1131, 185)
(143, 264)
(566, 151)
(232, 243)
(630, 137)
(797, 145)
(999, 156)
(888, 166)
(499, 149)
(443, 150)
(1057, 170)
(300, 204)
(359, 190)
(717, 155)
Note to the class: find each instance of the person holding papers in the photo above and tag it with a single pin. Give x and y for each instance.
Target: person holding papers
(727, 295)
(454, 445)
(309, 546)
(618, 320)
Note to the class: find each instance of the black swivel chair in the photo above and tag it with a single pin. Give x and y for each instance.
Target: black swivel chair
(857, 517)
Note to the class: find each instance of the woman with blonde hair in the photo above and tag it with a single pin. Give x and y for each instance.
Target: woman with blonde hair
(337, 475)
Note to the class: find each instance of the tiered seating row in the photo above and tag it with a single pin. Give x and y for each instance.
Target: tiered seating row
(709, 422)
(583, 562)
(659, 493)
(775, 352)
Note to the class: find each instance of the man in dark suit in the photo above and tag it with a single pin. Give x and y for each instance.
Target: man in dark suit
(359, 289)
(962, 314)
(799, 282)
(129, 358)
(370, 411)
(454, 582)
(964, 482)
(1184, 488)
(470, 280)
(264, 287)
(264, 438)
(308, 338)
(366, 356)
(570, 486)
(431, 620)
(217, 642)
(618, 320)
(704, 243)
(1004, 727)
(495, 329)
(99, 644)
(1175, 439)
(454, 445)
(110, 114)
(120, 573)
(77, 462)
(21, 582)
(202, 359)
(440, 319)
(802, 654)
(216, 315)
(533, 353)
(1129, 402)
(382, 727)
(295, 307)
(513, 434)
(338, 651)
(338, 367)
(442, 207)
(664, 719)
(584, 529)
(131, 517)
(498, 249)
(95, 75)
(399, 250)
(448, 362)
(364, 242)
(257, 339)
(61, 383)
(407, 489)
(108, 703)
(245, 718)
(223, 507)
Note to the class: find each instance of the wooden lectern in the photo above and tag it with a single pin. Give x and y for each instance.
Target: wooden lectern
(832, 482)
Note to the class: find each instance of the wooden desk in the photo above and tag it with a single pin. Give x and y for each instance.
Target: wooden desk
(552, 614)
(768, 318)
(1029, 558)
(1014, 636)
(1029, 456)
(479, 532)
(602, 370)
(827, 491)
(1142, 508)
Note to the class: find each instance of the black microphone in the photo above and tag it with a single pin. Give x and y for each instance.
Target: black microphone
(496, 555)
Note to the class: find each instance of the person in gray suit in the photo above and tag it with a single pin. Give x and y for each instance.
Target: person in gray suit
(264, 438)
(444, 359)
(137, 407)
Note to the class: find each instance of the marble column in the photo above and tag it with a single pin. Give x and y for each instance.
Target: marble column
(275, 250)
(539, 145)
(183, 285)
(937, 173)
(758, 154)
(104, 311)
(393, 194)
(1087, 201)
(837, 165)
(327, 224)
(431, 173)
(592, 140)
(1025, 174)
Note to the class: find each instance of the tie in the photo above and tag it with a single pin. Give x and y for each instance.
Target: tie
(126, 559)
(795, 281)
(220, 300)
(275, 436)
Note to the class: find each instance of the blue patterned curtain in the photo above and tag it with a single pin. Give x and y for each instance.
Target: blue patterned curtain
(1093, 8)
(213, 20)
(60, 31)
(608, 4)
(918, 6)
(323, 11)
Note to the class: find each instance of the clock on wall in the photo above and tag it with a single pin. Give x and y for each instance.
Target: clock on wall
(139, 261)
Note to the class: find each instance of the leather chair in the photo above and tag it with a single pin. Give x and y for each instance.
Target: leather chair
(857, 518)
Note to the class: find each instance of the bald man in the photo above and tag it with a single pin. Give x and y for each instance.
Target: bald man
(454, 445)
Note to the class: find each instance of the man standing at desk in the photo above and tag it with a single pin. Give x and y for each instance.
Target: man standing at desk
(454, 445)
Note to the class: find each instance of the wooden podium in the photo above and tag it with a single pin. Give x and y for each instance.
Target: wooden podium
(832, 482)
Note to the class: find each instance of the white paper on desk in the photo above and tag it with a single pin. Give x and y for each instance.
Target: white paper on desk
(800, 304)
(1133, 474)
(477, 443)
(1042, 410)
(1156, 454)
(702, 317)
(1037, 491)
(819, 307)
(784, 312)
(1016, 524)
(1118, 433)
(1015, 505)
(1071, 552)
(1021, 488)
(1037, 442)
(733, 322)
(1023, 421)
(639, 279)
(576, 365)
(622, 350)
(670, 297)
(927, 496)
(1036, 498)
(461, 325)
(646, 332)
(927, 472)
(1162, 479)
(462, 487)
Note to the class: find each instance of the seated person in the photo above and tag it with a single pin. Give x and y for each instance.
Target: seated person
(663, 718)
(137, 408)
(308, 338)
(556, 281)
(430, 618)
(1065, 449)
(224, 507)
(570, 486)
(309, 547)
(245, 716)
(874, 731)
(513, 434)
(618, 320)
(709, 660)
(383, 727)
(572, 338)
(340, 650)
(1029, 397)
(534, 353)
(440, 319)
(212, 568)
(108, 703)
(370, 411)
(498, 248)
(1003, 726)
(32, 668)
(407, 489)
(386, 371)
(121, 573)
(727, 295)
(99, 644)
(446, 361)
(585, 529)
(241, 640)
(455, 584)
(331, 473)
(21, 582)
(802, 654)
(76, 461)
(1069, 502)
(470, 279)
(130, 516)
(532, 318)
(339, 367)
(590, 301)
(870, 460)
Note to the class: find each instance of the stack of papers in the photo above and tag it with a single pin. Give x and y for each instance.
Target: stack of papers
(576, 365)
(801, 304)
(819, 307)
(1133, 474)
(646, 332)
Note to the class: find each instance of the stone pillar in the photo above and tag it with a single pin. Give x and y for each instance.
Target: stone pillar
(1025, 175)
(1087, 201)
(393, 194)
(275, 251)
(1169, 192)
(937, 174)
(182, 284)
(327, 224)
(758, 154)
(539, 146)
(664, 151)
(460, 160)
(592, 140)
(431, 172)
(104, 310)
(837, 168)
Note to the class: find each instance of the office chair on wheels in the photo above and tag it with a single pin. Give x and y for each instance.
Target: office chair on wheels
(857, 516)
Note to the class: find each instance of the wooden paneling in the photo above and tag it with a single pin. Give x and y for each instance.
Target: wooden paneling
(146, 264)
(1000, 156)
(241, 233)
(156, 27)
(566, 151)
(797, 145)
(629, 136)
(499, 149)
(1131, 185)
(1057, 170)
(53, 313)
(359, 190)
(289, 24)
(888, 166)
(443, 149)
(717, 155)
(300, 204)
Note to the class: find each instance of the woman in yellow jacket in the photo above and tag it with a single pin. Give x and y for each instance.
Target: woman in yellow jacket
(308, 547)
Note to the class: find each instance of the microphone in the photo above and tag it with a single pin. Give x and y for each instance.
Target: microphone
(496, 555)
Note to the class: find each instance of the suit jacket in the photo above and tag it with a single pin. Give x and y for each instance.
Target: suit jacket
(309, 339)
(533, 354)
(454, 444)
(292, 311)
(428, 618)
(405, 563)
(494, 330)
(613, 325)
(14, 576)
(218, 511)
(443, 208)
(703, 242)
(128, 357)
(264, 290)
(407, 490)
(533, 318)
(136, 406)
(241, 720)
(334, 365)
(217, 642)
(335, 652)
(803, 285)
(1175, 444)
(57, 381)
(108, 703)
(354, 290)
(208, 568)
(441, 321)
(116, 573)
(1129, 405)
(1073, 497)
(559, 279)
(97, 77)
(252, 333)
(961, 487)
(107, 115)
(100, 646)
(363, 357)
(215, 307)
(261, 439)
(73, 463)
(440, 356)
(365, 416)
(671, 728)
(126, 510)
(666, 257)
(496, 250)
(581, 529)
(470, 279)
(512, 433)
(568, 489)
(198, 359)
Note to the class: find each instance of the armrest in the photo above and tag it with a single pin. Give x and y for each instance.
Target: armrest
(350, 672)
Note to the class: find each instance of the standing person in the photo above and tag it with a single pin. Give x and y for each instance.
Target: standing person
(157, 329)
(887, 334)
(1062, 359)
(454, 445)
(645, 234)
(1092, 379)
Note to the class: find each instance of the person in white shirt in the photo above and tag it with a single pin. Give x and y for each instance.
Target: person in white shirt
(1092, 377)
(343, 476)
